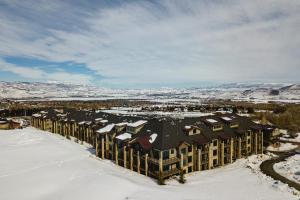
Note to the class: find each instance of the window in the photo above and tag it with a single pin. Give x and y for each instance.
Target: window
(166, 168)
(190, 148)
(215, 152)
(215, 142)
(190, 169)
(156, 154)
(172, 151)
(165, 154)
(194, 131)
(190, 159)
(217, 127)
(184, 162)
(183, 151)
(215, 163)
(248, 141)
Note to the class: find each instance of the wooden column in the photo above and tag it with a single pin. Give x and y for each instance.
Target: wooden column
(199, 159)
(262, 142)
(116, 154)
(125, 156)
(231, 150)
(106, 147)
(181, 161)
(193, 158)
(138, 163)
(131, 158)
(146, 164)
(239, 148)
(210, 156)
(160, 162)
(222, 153)
(102, 147)
(255, 143)
(96, 146)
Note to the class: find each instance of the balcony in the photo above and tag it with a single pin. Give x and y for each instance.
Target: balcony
(166, 161)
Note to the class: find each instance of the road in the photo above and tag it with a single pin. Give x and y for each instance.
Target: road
(267, 168)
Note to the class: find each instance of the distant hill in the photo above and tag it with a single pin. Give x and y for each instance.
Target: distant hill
(233, 91)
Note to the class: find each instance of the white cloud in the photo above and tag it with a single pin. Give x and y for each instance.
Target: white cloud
(41, 75)
(167, 42)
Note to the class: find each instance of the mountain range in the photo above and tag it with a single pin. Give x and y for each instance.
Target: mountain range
(233, 91)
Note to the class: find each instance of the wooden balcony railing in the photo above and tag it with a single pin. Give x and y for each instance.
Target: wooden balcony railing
(166, 161)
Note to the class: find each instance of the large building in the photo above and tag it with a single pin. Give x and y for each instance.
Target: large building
(159, 147)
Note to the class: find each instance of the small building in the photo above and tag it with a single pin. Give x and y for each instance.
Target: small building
(6, 124)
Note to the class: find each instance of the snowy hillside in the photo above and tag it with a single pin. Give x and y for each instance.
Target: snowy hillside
(59, 91)
(40, 165)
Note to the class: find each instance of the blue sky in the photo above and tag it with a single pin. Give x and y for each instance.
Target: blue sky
(133, 44)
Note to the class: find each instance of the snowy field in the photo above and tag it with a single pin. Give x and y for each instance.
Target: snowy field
(134, 112)
(289, 168)
(40, 165)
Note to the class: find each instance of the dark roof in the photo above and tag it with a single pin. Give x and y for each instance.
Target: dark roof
(144, 142)
(170, 131)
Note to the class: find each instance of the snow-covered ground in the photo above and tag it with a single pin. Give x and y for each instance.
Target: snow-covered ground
(40, 165)
(283, 147)
(134, 112)
(289, 168)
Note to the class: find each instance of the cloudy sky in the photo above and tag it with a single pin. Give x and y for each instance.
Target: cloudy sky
(139, 43)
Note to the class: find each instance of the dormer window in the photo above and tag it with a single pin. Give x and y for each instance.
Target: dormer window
(192, 130)
(217, 127)
(231, 122)
(136, 126)
(234, 124)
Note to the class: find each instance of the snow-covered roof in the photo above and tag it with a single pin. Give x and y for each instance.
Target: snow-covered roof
(122, 124)
(152, 138)
(211, 120)
(36, 115)
(104, 121)
(226, 118)
(187, 127)
(106, 129)
(137, 123)
(98, 119)
(80, 123)
(124, 136)
(3, 122)
(62, 115)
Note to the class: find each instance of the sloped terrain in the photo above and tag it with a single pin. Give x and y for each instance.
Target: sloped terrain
(40, 165)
